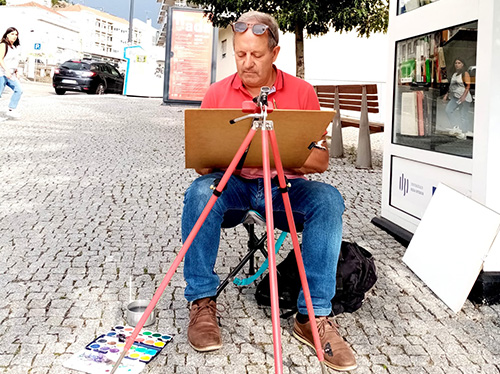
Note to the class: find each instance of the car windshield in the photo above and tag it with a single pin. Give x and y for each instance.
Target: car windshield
(74, 65)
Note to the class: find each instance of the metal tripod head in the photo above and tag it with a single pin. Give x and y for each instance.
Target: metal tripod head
(258, 109)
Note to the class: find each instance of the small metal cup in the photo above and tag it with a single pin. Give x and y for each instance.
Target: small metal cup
(136, 309)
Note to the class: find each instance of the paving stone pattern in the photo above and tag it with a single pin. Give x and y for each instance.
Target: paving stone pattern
(91, 195)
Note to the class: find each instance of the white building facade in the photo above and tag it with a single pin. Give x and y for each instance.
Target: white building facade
(105, 36)
(45, 35)
(51, 36)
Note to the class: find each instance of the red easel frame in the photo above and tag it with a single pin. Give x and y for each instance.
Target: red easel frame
(260, 122)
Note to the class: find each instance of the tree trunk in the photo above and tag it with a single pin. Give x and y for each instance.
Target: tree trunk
(299, 51)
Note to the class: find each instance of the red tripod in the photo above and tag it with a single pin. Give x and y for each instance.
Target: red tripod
(260, 122)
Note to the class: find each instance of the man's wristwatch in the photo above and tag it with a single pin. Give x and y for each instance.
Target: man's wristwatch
(318, 145)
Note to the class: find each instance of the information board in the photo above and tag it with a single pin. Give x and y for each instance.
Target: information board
(190, 67)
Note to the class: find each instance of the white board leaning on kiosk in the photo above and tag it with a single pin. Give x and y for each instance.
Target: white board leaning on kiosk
(451, 243)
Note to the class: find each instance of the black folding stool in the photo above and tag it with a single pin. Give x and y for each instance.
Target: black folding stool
(255, 244)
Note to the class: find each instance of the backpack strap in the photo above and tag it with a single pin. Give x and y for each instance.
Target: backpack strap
(247, 281)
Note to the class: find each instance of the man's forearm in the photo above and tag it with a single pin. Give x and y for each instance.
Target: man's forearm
(317, 162)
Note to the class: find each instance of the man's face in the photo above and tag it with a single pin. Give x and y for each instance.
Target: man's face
(254, 60)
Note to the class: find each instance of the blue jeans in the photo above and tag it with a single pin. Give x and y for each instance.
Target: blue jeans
(15, 85)
(317, 207)
(463, 109)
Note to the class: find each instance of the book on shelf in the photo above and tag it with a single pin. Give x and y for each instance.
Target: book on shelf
(409, 123)
(427, 106)
(442, 66)
(420, 112)
(415, 116)
(407, 69)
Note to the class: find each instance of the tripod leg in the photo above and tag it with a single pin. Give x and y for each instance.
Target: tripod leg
(166, 280)
(273, 281)
(296, 246)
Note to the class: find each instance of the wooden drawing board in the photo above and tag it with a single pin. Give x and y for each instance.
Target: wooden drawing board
(211, 141)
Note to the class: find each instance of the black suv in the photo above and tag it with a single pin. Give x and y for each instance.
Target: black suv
(87, 76)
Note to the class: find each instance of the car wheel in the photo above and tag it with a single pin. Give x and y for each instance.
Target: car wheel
(60, 91)
(100, 89)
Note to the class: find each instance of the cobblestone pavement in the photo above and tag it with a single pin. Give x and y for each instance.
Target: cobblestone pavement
(90, 196)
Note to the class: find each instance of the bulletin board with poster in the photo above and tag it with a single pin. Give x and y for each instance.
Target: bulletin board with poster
(190, 56)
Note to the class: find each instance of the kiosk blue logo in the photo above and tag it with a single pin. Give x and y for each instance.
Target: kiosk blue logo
(38, 46)
(404, 184)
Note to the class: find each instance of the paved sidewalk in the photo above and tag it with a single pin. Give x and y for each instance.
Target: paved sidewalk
(91, 195)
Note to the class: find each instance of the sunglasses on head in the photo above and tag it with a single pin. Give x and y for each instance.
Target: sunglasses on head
(257, 28)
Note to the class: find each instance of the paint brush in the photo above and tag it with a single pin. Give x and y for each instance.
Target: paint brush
(130, 290)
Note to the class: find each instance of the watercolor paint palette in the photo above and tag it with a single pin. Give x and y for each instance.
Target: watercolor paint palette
(100, 355)
(146, 347)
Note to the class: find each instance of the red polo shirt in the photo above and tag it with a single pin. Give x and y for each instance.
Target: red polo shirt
(291, 93)
(288, 92)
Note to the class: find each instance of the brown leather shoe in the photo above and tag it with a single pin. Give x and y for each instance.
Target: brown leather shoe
(203, 330)
(337, 353)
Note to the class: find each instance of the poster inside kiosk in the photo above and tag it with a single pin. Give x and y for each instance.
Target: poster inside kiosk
(190, 61)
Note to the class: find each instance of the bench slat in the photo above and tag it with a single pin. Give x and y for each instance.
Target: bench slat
(370, 89)
(330, 100)
(348, 88)
(354, 108)
(354, 122)
(372, 99)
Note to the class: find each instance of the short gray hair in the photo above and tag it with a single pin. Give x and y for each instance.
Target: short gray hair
(265, 19)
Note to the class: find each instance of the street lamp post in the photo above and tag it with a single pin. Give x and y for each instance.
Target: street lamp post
(130, 20)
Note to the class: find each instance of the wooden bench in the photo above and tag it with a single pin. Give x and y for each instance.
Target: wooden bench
(361, 98)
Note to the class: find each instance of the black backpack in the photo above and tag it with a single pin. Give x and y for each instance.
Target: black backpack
(356, 274)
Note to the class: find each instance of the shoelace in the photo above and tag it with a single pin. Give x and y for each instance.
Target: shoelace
(209, 309)
(324, 323)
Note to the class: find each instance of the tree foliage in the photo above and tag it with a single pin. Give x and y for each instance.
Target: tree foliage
(3, 2)
(309, 17)
(317, 16)
(60, 4)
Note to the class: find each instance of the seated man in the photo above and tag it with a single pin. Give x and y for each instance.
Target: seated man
(318, 207)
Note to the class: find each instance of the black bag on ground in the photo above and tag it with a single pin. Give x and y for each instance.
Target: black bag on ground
(356, 274)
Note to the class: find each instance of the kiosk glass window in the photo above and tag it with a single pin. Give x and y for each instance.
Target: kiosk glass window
(435, 91)
(409, 5)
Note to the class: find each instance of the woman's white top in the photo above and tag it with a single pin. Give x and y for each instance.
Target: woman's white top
(457, 87)
(11, 60)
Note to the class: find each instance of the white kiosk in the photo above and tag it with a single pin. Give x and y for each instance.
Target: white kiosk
(145, 71)
(425, 141)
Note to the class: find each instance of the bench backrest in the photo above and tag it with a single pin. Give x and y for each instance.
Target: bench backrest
(349, 96)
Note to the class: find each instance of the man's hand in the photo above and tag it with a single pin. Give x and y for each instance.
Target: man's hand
(204, 171)
(317, 162)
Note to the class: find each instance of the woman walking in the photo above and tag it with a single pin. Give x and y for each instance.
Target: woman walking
(9, 60)
(460, 97)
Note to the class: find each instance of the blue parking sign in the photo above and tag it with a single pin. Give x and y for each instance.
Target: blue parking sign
(38, 46)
